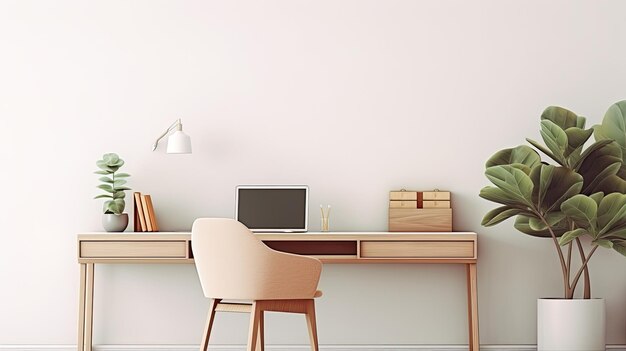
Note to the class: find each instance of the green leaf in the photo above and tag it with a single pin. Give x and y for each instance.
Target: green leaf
(580, 122)
(613, 125)
(601, 163)
(591, 149)
(106, 187)
(102, 172)
(597, 197)
(119, 182)
(554, 137)
(522, 224)
(122, 175)
(105, 179)
(115, 206)
(105, 167)
(500, 214)
(119, 195)
(103, 196)
(576, 138)
(498, 195)
(552, 218)
(117, 188)
(607, 244)
(518, 155)
(553, 185)
(545, 151)
(562, 117)
(516, 184)
(110, 158)
(611, 213)
(583, 210)
(571, 235)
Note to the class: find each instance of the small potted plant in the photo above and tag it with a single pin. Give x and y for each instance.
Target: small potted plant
(578, 204)
(114, 219)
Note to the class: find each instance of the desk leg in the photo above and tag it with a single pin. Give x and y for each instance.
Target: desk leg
(80, 345)
(472, 307)
(89, 307)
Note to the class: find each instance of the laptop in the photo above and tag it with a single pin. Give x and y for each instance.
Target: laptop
(273, 208)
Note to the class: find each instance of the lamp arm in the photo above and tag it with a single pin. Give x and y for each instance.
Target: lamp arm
(177, 123)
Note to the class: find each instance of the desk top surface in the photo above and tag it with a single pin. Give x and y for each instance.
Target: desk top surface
(445, 236)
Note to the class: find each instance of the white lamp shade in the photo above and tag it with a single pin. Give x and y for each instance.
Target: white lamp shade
(179, 143)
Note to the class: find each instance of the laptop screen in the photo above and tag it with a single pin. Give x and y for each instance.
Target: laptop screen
(273, 208)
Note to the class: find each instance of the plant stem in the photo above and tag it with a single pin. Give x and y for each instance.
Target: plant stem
(587, 290)
(584, 265)
(569, 267)
(564, 268)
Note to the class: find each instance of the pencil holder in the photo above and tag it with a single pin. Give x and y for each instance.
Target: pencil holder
(325, 224)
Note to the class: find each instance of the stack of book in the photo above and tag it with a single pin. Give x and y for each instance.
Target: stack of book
(145, 220)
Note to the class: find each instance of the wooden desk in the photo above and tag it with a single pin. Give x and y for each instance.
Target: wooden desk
(380, 247)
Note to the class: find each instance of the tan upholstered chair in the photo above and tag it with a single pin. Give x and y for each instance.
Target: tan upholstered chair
(233, 264)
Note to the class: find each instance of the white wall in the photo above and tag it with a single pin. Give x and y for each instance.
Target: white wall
(353, 98)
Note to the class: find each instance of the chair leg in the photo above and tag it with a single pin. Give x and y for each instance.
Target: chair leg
(209, 325)
(255, 314)
(310, 321)
(260, 340)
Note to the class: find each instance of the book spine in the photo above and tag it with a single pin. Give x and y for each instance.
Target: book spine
(140, 220)
(153, 221)
(144, 203)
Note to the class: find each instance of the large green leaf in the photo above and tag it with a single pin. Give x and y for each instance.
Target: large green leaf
(115, 206)
(549, 219)
(576, 138)
(571, 235)
(600, 162)
(119, 182)
(514, 182)
(103, 196)
(553, 185)
(611, 213)
(106, 187)
(105, 167)
(562, 117)
(500, 214)
(498, 195)
(106, 180)
(122, 175)
(555, 138)
(583, 210)
(119, 195)
(613, 125)
(522, 154)
(522, 224)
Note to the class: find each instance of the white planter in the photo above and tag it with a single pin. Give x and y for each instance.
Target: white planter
(571, 325)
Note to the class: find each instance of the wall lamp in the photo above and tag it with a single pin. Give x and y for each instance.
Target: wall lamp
(178, 142)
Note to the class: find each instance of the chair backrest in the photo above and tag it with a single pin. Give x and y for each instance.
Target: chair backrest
(233, 263)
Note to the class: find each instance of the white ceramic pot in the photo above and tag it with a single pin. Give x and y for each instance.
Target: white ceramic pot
(114, 222)
(571, 325)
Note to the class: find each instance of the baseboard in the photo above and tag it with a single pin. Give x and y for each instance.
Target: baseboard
(283, 347)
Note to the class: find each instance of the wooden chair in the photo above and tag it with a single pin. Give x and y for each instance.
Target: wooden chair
(233, 264)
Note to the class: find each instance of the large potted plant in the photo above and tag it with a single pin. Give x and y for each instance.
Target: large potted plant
(114, 219)
(577, 203)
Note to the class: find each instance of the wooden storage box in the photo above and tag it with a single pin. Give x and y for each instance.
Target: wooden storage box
(420, 211)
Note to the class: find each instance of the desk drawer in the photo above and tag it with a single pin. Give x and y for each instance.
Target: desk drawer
(417, 249)
(133, 249)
